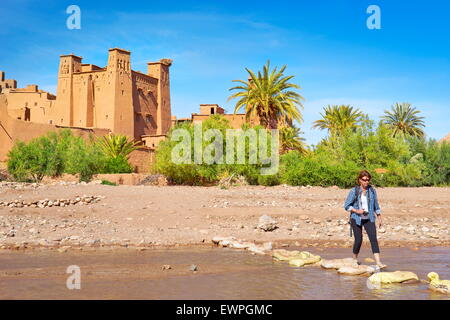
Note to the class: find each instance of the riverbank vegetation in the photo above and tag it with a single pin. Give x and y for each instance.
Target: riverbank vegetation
(57, 153)
(395, 149)
(393, 160)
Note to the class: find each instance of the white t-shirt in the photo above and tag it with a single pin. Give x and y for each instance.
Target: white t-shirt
(364, 205)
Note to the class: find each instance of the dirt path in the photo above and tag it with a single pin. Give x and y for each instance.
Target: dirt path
(148, 216)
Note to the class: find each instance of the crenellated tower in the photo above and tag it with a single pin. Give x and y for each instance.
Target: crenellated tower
(63, 113)
(160, 71)
(119, 72)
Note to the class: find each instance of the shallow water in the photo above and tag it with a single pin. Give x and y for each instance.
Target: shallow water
(223, 274)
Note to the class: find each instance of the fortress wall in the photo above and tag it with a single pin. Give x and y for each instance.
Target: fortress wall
(12, 130)
(142, 159)
(30, 106)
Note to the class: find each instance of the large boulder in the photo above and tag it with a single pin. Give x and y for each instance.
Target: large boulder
(357, 271)
(285, 255)
(224, 241)
(442, 286)
(232, 242)
(338, 263)
(295, 257)
(393, 277)
(310, 259)
(267, 223)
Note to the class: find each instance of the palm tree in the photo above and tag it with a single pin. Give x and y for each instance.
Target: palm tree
(337, 119)
(115, 146)
(404, 120)
(290, 140)
(269, 96)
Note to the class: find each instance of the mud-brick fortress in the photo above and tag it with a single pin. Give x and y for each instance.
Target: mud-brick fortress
(99, 101)
(90, 99)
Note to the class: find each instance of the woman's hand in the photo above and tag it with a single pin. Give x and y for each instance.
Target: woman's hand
(379, 222)
(358, 211)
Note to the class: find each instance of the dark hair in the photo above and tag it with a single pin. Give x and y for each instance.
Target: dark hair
(363, 173)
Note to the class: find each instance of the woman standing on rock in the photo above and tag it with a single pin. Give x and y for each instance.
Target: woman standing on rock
(362, 204)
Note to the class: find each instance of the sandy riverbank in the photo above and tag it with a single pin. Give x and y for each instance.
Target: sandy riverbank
(152, 216)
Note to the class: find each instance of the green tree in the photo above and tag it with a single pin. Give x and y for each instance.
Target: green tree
(115, 146)
(404, 120)
(337, 119)
(270, 96)
(38, 158)
(290, 140)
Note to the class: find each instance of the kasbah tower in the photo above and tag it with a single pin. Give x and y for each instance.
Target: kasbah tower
(115, 97)
(91, 100)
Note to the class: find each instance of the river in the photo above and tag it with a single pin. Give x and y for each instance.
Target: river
(222, 274)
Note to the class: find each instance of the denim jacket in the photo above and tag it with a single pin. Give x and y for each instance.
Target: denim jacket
(372, 201)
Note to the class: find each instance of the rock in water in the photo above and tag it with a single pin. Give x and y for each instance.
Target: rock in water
(392, 277)
(267, 223)
(295, 258)
(193, 267)
(307, 259)
(442, 286)
(256, 249)
(356, 271)
(267, 246)
(338, 263)
(223, 241)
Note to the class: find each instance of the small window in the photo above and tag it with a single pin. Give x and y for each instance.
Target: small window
(50, 121)
(212, 110)
(123, 92)
(35, 104)
(106, 117)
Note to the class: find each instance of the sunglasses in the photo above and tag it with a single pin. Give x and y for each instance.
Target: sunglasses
(366, 180)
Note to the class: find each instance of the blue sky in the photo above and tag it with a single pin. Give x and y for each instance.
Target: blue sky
(335, 58)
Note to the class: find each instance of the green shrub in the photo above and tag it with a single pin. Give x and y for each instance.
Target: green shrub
(33, 161)
(83, 158)
(108, 183)
(203, 173)
(116, 165)
(317, 169)
(58, 153)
